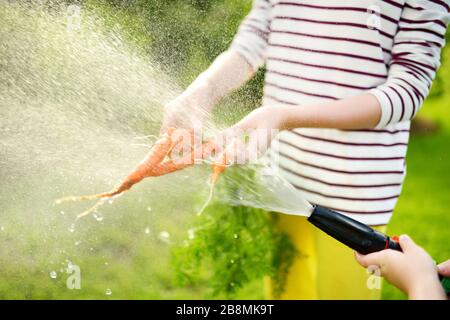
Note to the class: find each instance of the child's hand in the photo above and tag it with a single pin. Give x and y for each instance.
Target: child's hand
(444, 268)
(268, 118)
(412, 271)
(252, 136)
(188, 110)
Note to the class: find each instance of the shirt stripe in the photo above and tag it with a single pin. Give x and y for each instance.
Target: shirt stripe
(323, 50)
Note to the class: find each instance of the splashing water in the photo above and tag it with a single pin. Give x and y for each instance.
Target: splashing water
(260, 185)
(164, 236)
(72, 227)
(191, 234)
(64, 96)
(72, 103)
(98, 216)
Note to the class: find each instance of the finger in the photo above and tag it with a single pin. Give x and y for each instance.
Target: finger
(164, 127)
(406, 243)
(182, 144)
(166, 121)
(376, 258)
(444, 268)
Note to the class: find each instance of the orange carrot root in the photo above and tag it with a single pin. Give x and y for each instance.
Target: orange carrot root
(218, 169)
(143, 169)
(153, 165)
(208, 200)
(91, 209)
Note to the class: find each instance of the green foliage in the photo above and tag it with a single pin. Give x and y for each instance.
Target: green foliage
(234, 246)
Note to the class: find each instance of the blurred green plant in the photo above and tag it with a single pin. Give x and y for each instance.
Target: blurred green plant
(234, 246)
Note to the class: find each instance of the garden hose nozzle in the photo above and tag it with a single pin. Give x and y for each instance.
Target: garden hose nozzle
(350, 232)
(357, 235)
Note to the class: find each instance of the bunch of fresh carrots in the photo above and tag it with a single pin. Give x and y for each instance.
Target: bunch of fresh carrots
(159, 161)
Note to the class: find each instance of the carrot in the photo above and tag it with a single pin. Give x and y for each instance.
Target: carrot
(143, 169)
(186, 161)
(217, 170)
(146, 167)
(153, 165)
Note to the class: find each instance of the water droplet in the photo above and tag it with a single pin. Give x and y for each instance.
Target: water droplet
(231, 284)
(108, 292)
(147, 230)
(77, 243)
(62, 212)
(53, 274)
(110, 201)
(106, 263)
(149, 208)
(236, 236)
(191, 234)
(2, 228)
(98, 216)
(164, 236)
(232, 261)
(72, 227)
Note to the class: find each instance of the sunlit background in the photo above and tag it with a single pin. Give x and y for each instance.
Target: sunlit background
(82, 86)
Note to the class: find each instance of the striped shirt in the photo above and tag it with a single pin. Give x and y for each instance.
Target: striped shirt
(322, 50)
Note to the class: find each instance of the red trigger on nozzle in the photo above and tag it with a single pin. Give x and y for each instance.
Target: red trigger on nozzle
(395, 238)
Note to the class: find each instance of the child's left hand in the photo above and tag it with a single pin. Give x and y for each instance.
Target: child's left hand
(259, 127)
(412, 271)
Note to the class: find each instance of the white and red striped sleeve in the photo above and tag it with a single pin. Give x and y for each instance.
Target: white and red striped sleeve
(415, 59)
(251, 39)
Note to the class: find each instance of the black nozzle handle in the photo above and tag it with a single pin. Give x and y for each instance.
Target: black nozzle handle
(357, 235)
(350, 232)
